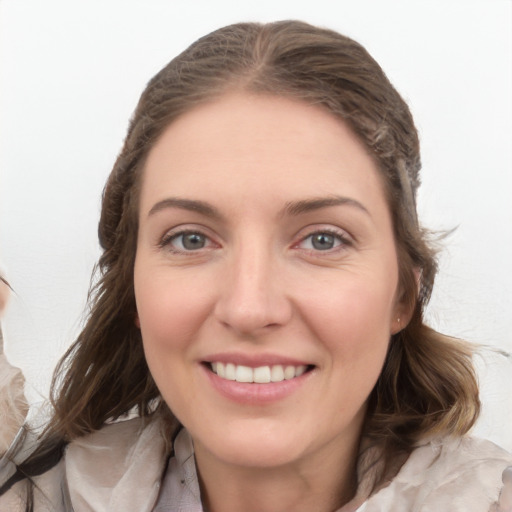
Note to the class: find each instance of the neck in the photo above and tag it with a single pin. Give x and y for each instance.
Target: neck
(322, 483)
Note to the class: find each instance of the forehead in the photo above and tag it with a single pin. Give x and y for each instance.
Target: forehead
(251, 145)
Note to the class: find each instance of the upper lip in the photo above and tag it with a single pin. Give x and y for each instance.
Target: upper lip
(254, 360)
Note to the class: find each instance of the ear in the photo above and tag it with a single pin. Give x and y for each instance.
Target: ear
(137, 321)
(404, 307)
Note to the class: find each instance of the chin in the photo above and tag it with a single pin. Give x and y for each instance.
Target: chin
(252, 455)
(256, 446)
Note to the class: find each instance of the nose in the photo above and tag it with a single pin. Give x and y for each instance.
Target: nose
(253, 298)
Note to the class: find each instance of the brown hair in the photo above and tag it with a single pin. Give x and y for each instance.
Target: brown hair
(427, 386)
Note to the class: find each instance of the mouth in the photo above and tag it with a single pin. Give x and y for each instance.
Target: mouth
(259, 375)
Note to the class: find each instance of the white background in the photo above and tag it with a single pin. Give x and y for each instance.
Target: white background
(71, 73)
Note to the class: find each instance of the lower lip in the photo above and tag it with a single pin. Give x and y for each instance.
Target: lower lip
(253, 393)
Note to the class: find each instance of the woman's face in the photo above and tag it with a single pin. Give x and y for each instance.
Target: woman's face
(265, 279)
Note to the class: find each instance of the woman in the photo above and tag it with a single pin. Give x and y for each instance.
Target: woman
(260, 304)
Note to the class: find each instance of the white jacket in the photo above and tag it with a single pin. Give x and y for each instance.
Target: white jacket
(122, 468)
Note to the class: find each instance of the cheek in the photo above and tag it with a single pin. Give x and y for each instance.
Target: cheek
(169, 312)
(353, 320)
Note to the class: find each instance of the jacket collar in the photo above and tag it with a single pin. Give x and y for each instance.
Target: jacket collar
(119, 467)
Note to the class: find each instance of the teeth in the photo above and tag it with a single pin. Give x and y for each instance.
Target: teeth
(244, 374)
(289, 372)
(220, 370)
(230, 371)
(299, 371)
(277, 373)
(259, 375)
(262, 374)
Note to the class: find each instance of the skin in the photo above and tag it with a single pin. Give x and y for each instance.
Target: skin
(256, 287)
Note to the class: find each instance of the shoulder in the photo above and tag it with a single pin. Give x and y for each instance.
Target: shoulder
(451, 474)
(119, 467)
(13, 406)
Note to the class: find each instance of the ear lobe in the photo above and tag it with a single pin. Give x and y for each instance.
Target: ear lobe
(405, 307)
(402, 317)
(397, 324)
(137, 321)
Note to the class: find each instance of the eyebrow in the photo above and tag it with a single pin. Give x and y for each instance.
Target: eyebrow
(317, 203)
(186, 204)
(292, 208)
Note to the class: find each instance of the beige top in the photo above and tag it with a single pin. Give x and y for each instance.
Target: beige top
(124, 467)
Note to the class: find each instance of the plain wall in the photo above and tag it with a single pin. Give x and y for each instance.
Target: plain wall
(71, 73)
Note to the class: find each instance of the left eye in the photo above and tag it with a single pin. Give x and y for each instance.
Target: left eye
(321, 241)
(189, 241)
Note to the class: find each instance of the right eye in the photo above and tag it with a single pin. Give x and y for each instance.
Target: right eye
(186, 241)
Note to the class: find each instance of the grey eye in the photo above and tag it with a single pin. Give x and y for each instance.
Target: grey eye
(323, 241)
(192, 241)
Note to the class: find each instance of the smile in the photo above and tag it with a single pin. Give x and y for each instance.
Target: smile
(259, 375)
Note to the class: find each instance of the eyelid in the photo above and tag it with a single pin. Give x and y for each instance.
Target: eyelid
(346, 239)
(184, 229)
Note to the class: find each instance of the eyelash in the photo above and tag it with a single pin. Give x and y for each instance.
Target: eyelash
(166, 242)
(341, 240)
(340, 237)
